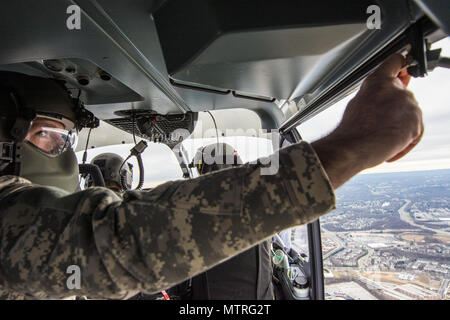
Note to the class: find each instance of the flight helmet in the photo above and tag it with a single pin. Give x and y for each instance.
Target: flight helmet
(116, 173)
(39, 125)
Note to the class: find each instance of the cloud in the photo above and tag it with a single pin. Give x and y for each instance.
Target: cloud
(433, 95)
(160, 164)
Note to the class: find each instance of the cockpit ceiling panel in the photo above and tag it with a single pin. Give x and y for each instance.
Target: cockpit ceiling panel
(188, 27)
(269, 63)
(258, 47)
(37, 31)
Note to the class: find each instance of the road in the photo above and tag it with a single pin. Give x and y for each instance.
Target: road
(406, 217)
(364, 260)
(335, 239)
(443, 288)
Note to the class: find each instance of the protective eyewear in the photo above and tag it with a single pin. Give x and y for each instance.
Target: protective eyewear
(51, 140)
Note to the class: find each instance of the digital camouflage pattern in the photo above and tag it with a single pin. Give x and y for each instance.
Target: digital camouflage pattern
(148, 241)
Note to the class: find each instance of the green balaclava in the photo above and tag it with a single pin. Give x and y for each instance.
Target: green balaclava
(61, 171)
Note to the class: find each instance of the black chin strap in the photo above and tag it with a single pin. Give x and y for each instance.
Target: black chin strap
(24, 117)
(6, 155)
(17, 133)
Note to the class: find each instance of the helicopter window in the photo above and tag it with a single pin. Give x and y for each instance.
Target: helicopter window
(389, 236)
(160, 163)
(239, 128)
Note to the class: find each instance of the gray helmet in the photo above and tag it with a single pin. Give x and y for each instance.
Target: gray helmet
(35, 96)
(110, 164)
(26, 101)
(214, 157)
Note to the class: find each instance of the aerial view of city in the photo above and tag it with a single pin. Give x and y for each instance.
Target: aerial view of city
(389, 238)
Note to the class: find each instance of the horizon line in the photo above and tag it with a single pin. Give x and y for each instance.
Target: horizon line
(404, 171)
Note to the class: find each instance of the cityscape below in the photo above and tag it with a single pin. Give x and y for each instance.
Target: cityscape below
(389, 238)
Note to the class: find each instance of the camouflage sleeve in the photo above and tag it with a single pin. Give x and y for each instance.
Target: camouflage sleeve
(149, 241)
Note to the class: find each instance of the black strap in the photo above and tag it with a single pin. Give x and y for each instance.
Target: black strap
(200, 289)
(23, 117)
(264, 288)
(259, 263)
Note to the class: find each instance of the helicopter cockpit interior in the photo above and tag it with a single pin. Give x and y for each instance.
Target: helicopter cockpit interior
(165, 71)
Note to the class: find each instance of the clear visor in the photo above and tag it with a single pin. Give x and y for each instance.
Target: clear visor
(50, 137)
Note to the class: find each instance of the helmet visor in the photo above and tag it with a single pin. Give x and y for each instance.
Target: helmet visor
(50, 137)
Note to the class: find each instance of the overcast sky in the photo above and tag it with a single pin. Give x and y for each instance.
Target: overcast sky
(433, 95)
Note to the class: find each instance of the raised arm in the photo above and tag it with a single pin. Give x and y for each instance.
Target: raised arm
(150, 241)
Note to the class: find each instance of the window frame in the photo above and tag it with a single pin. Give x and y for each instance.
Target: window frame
(314, 243)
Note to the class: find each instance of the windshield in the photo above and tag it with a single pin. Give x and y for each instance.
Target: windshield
(389, 237)
(160, 163)
(239, 128)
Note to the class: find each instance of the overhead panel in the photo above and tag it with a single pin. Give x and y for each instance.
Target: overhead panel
(259, 48)
(33, 32)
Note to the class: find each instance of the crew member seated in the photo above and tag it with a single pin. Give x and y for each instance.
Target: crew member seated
(247, 276)
(118, 175)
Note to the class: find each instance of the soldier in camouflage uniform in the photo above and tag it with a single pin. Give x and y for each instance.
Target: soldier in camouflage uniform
(150, 241)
